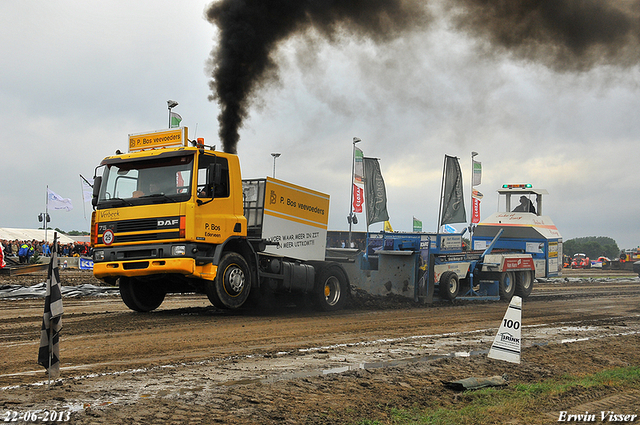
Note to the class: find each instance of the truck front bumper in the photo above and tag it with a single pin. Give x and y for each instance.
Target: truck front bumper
(138, 268)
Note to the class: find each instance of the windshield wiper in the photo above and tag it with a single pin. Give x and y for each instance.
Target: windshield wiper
(159, 195)
(124, 202)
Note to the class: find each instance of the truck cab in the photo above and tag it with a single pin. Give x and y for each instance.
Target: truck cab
(170, 216)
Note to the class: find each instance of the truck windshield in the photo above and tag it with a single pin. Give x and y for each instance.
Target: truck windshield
(153, 181)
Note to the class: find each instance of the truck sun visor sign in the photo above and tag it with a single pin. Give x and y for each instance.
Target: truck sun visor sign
(158, 139)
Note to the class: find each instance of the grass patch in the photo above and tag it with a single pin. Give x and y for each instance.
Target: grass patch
(520, 402)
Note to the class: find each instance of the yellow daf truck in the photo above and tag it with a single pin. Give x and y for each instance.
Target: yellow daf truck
(174, 216)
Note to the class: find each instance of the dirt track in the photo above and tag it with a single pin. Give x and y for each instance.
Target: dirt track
(188, 362)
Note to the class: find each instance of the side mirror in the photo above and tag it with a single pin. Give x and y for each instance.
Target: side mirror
(97, 181)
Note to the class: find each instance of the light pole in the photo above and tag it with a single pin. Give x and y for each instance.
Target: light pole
(274, 155)
(171, 104)
(351, 218)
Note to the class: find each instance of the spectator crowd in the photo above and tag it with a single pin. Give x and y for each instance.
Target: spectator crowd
(25, 250)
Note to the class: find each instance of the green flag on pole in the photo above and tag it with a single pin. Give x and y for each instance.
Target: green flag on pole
(417, 225)
(175, 120)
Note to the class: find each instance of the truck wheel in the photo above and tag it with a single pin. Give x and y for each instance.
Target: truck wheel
(140, 295)
(507, 285)
(524, 283)
(230, 288)
(449, 285)
(330, 290)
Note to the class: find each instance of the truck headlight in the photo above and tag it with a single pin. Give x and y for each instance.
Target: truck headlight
(177, 250)
(98, 255)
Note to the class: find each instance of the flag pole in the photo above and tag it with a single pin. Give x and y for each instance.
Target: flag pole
(444, 165)
(82, 191)
(84, 209)
(46, 214)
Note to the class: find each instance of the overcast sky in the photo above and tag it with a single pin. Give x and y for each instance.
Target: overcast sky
(78, 77)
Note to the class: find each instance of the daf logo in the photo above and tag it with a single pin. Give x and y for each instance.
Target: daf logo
(168, 222)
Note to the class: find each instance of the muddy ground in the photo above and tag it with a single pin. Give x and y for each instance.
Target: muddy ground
(190, 363)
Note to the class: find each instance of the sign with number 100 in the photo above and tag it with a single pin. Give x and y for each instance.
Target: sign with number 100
(511, 324)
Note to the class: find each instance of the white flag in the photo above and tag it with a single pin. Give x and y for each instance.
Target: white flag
(57, 202)
(87, 191)
(507, 344)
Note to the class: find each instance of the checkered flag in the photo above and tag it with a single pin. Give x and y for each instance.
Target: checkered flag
(49, 353)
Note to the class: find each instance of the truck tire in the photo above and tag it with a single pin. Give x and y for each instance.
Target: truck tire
(506, 285)
(524, 283)
(230, 289)
(141, 296)
(449, 285)
(330, 289)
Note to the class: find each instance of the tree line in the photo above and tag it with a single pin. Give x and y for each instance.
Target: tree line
(592, 246)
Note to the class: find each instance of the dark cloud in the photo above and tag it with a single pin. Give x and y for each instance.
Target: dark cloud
(565, 35)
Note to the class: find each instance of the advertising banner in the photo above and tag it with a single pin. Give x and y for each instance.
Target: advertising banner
(358, 167)
(157, 139)
(453, 201)
(295, 220)
(85, 264)
(358, 198)
(417, 225)
(477, 173)
(475, 215)
(375, 192)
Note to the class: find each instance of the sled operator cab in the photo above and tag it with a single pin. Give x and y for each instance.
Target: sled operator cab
(526, 228)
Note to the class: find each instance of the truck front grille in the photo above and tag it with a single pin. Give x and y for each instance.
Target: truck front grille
(141, 230)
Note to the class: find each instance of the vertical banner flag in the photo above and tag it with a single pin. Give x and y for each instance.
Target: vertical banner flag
(475, 212)
(175, 120)
(2, 263)
(477, 173)
(475, 197)
(375, 192)
(358, 167)
(49, 352)
(358, 198)
(453, 202)
(57, 202)
(417, 225)
(507, 343)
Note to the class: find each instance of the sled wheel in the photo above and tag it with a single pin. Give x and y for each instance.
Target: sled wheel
(449, 285)
(142, 296)
(507, 285)
(524, 283)
(330, 291)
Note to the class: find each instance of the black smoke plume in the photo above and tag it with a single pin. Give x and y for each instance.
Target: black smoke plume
(251, 29)
(565, 35)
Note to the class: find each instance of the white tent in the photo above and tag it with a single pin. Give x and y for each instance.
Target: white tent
(30, 234)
